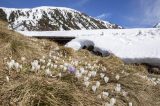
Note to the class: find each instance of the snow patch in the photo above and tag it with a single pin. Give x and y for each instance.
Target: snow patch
(131, 45)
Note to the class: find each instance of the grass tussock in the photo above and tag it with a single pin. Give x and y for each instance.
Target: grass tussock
(67, 51)
(14, 44)
(40, 91)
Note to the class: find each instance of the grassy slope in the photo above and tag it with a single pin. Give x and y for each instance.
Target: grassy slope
(26, 88)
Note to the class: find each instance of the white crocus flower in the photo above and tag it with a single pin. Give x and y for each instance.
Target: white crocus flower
(55, 66)
(35, 65)
(105, 94)
(76, 63)
(57, 58)
(86, 78)
(102, 75)
(118, 88)
(43, 57)
(86, 83)
(89, 67)
(89, 74)
(48, 64)
(48, 72)
(7, 78)
(92, 68)
(61, 66)
(108, 104)
(64, 68)
(42, 61)
(66, 64)
(85, 72)
(78, 74)
(23, 59)
(97, 84)
(60, 75)
(117, 77)
(54, 57)
(51, 65)
(10, 64)
(16, 65)
(94, 88)
(124, 93)
(49, 60)
(20, 66)
(93, 73)
(130, 104)
(112, 101)
(82, 70)
(106, 79)
(12, 61)
(43, 67)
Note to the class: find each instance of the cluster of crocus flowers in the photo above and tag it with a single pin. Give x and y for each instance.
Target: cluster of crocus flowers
(14, 65)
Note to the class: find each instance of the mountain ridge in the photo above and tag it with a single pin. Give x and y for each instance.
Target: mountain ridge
(47, 18)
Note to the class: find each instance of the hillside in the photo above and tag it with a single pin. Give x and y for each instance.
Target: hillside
(51, 19)
(39, 72)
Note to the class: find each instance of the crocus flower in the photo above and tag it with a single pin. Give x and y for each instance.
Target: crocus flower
(86, 83)
(118, 88)
(71, 69)
(117, 77)
(11, 64)
(112, 101)
(130, 103)
(94, 88)
(7, 78)
(106, 79)
(97, 84)
(48, 72)
(105, 93)
(23, 59)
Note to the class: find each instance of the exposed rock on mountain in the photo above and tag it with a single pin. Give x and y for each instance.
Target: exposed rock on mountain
(157, 25)
(51, 19)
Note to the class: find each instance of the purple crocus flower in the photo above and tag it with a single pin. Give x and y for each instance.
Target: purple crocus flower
(71, 69)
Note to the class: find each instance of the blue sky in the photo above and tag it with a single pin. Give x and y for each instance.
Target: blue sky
(127, 13)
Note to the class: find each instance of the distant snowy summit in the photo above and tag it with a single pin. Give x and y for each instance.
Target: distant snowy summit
(157, 25)
(51, 19)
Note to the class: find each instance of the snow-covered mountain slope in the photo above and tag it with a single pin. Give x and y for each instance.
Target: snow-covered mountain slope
(131, 45)
(50, 19)
(157, 25)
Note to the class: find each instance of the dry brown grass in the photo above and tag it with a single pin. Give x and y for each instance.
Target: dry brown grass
(3, 24)
(14, 44)
(35, 89)
(67, 51)
(28, 89)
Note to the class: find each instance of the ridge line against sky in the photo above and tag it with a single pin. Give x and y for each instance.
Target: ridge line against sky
(127, 13)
